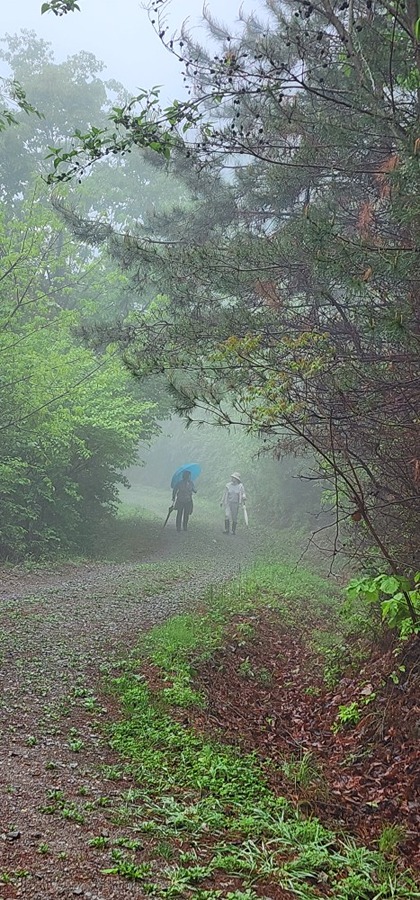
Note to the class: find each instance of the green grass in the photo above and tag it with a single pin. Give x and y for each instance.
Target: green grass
(66, 809)
(130, 511)
(189, 638)
(189, 788)
(193, 787)
(9, 877)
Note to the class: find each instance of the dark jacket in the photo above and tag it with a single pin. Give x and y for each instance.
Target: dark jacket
(182, 494)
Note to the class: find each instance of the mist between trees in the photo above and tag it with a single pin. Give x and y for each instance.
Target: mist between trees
(257, 244)
(277, 493)
(72, 416)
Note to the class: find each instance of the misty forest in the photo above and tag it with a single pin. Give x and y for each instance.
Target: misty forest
(210, 461)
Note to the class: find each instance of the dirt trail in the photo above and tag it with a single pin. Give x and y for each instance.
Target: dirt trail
(60, 631)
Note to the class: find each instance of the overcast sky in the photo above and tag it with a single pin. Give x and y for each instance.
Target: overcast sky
(119, 33)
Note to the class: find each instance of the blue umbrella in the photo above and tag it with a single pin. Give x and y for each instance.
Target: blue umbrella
(193, 468)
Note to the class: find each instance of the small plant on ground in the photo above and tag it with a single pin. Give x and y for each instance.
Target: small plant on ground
(397, 674)
(302, 771)
(336, 659)
(44, 848)
(245, 669)
(100, 842)
(103, 802)
(347, 717)
(55, 794)
(59, 804)
(166, 851)
(73, 813)
(244, 632)
(75, 742)
(114, 773)
(312, 691)
(264, 676)
(7, 877)
(181, 692)
(129, 844)
(390, 839)
(127, 868)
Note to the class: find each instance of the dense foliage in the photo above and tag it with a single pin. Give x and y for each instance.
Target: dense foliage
(70, 419)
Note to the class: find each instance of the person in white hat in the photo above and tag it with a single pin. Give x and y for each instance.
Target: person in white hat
(233, 497)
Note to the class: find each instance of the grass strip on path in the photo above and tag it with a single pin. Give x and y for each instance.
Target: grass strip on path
(225, 833)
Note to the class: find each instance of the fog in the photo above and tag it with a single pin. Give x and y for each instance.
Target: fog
(65, 479)
(278, 493)
(120, 34)
(239, 244)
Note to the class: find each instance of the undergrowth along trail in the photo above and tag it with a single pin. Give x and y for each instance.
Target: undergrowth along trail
(232, 833)
(62, 627)
(162, 800)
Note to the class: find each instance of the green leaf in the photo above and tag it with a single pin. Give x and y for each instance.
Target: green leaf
(390, 584)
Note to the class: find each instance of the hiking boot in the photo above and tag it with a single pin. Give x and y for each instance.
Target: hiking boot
(227, 526)
(233, 527)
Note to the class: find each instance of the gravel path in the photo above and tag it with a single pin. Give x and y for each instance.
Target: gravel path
(60, 632)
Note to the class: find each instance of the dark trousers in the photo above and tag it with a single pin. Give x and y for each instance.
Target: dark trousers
(182, 516)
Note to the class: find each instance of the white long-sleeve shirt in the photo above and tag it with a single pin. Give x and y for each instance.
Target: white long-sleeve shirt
(234, 493)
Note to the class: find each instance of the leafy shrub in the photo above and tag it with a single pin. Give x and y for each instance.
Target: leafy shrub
(398, 598)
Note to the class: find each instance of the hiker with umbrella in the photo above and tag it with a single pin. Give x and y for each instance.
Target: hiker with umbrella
(183, 489)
